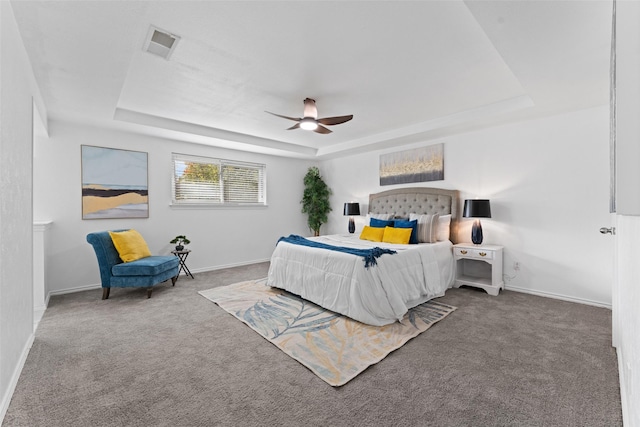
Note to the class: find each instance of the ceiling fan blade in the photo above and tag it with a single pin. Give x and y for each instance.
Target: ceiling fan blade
(329, 121)
(322, 129)
(284, 117)
(296, 126)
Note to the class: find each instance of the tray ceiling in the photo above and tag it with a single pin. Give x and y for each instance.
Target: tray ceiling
(407, 71)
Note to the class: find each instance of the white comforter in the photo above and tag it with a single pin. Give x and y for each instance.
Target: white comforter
(378, 295)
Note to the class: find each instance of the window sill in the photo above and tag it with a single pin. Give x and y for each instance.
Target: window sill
(215, 206)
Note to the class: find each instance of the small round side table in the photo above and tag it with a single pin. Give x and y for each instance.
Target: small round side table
(182, 256)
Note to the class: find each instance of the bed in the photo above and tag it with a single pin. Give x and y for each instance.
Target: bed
(380, 294)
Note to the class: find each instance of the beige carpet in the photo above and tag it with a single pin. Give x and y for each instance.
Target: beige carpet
(334, 347)
(177, 359)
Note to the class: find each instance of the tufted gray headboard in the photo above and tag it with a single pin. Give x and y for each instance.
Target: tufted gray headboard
(419, 200)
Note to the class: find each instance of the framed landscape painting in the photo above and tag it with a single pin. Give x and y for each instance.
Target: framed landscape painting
(417, 165)
(114, 183)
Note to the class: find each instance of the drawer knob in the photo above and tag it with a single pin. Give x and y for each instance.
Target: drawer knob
(483, 254)
(463, 252)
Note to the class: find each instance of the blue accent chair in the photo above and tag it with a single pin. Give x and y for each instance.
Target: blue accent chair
(142, 273)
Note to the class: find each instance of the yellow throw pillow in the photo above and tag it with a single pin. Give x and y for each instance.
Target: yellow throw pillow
(397, 235)
(130, 245)
(372, 233)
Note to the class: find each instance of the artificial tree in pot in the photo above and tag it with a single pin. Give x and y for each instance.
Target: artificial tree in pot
(181, 241)
(315, 200)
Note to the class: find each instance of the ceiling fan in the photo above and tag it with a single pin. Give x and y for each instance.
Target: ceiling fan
(310, 121)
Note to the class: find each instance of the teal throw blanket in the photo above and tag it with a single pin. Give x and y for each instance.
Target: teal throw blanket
(369, 255)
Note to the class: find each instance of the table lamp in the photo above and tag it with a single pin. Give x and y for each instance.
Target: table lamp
(476, 208)
(351, 209)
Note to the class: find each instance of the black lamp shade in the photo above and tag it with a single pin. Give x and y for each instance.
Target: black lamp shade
(352, 209)
(476, 208)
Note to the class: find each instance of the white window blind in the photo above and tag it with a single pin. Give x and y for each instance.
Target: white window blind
(209, 181)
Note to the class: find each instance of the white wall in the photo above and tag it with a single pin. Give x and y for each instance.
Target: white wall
(548, 182)
(627, 289)
(627, 323)
(17, 91)
(219, 236)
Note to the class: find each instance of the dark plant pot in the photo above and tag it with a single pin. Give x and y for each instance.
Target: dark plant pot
(179, 248)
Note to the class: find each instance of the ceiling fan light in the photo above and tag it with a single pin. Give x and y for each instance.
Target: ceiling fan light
(310, 109)
(308, 124)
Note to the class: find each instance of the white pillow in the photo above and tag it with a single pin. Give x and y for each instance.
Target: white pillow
(444, 227)
(427, 227)
(384, 217)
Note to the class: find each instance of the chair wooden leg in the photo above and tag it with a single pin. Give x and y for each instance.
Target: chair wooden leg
(149, 292)
(174, 280)
(105, 293)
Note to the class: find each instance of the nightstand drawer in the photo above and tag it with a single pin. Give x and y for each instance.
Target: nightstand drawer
(474, 253)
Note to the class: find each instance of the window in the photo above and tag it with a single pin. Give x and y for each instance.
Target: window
(208, 181)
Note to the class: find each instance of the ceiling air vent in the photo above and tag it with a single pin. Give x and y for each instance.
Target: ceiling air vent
(160, 42)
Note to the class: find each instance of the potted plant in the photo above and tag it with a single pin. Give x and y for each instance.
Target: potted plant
(180, 240)
(315, 200)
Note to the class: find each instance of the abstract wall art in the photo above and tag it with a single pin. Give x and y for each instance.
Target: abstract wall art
(114, 183)
(417, 165)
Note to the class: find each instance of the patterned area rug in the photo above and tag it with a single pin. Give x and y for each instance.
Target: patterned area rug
(334, 347)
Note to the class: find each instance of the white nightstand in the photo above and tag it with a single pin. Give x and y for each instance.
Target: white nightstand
(479, 266)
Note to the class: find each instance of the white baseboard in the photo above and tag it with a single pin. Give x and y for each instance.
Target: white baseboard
(558, 296)
(72, 290)
(38, 312)
(221, 267)
(196, 270)
(623, 388)
(8, 393)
